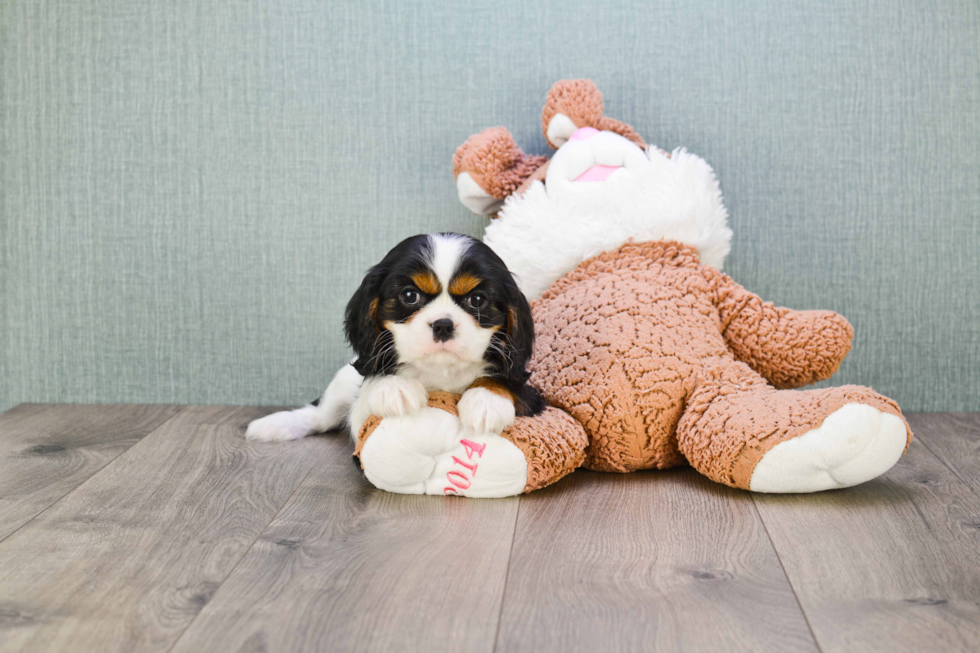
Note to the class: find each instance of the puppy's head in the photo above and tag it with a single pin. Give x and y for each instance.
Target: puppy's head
(440, 299)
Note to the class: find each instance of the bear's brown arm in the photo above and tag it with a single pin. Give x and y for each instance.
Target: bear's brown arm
(495, 162)
(789, 348)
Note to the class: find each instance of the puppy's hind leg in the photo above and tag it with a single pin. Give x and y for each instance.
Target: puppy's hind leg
(330, 412)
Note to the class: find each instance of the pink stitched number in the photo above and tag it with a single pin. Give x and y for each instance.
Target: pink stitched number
(469, 466)
(472, 447)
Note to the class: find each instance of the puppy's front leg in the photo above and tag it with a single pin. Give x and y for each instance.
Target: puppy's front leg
(394, 396)
(487, 406)
(386, 396)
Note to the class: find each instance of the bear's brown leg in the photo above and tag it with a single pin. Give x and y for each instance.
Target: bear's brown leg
(734, 421)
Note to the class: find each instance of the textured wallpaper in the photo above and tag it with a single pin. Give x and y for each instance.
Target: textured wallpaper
(190, 190)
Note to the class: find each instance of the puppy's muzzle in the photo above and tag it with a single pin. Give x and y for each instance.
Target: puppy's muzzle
(443, 329)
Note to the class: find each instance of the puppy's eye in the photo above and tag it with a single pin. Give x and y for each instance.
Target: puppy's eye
(410, 297)
(476, 301)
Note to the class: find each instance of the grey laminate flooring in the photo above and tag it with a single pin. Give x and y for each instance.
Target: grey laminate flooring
(159, 528)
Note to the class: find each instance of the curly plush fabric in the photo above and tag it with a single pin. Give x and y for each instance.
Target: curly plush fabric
(734, 418)
(501, 169)
(552, 442)
(538, 175)
(367, 428)
(661, 357)
(663, 360)
(495, 162)
(789, 348)
(581, 102)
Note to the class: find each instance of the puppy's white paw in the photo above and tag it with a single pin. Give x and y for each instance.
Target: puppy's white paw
(484, 411)
(277, 427)
(395, 396)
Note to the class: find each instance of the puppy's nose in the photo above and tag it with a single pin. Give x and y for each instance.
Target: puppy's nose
(442, 329)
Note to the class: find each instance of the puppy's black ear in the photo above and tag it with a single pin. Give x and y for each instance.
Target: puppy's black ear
(519, 335)
(364, 333)
(518, 341)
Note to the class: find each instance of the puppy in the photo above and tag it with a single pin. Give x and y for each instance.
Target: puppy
(439, 312)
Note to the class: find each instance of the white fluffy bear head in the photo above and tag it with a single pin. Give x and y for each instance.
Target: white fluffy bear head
(600, 191)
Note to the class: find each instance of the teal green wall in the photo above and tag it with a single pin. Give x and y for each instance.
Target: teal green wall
(191, 189)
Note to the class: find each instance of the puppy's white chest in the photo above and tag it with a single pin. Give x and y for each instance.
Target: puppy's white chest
(455, 376)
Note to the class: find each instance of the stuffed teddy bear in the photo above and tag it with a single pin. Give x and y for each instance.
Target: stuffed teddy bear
(429, 452)
(648, 355)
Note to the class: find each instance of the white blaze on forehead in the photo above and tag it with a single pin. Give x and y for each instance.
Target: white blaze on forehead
(447, 252)
(453, 364)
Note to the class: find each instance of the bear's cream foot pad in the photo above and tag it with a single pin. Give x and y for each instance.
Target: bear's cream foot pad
(430, 452)
(400, 454)
(854, 444)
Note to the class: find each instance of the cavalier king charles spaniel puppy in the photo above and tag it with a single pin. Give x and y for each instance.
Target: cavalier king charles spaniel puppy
(439, 312)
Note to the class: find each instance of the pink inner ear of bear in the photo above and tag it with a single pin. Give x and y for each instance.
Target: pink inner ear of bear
(597, 173)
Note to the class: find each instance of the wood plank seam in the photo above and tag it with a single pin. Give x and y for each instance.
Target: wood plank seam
(789, 581)
(93, 475)
(249, 548)
(190, 500)
(952, 470)
(666, 560)
(338, 566)
(918, 454)
(510, 556)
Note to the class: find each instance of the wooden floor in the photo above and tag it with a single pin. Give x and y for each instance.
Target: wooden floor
(159, 528)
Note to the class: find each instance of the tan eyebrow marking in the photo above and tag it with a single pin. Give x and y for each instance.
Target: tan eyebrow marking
(462, 284)
(427, 283)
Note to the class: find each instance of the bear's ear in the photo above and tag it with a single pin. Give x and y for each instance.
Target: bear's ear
(489, 167)
(571, 104)
(575, 103)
